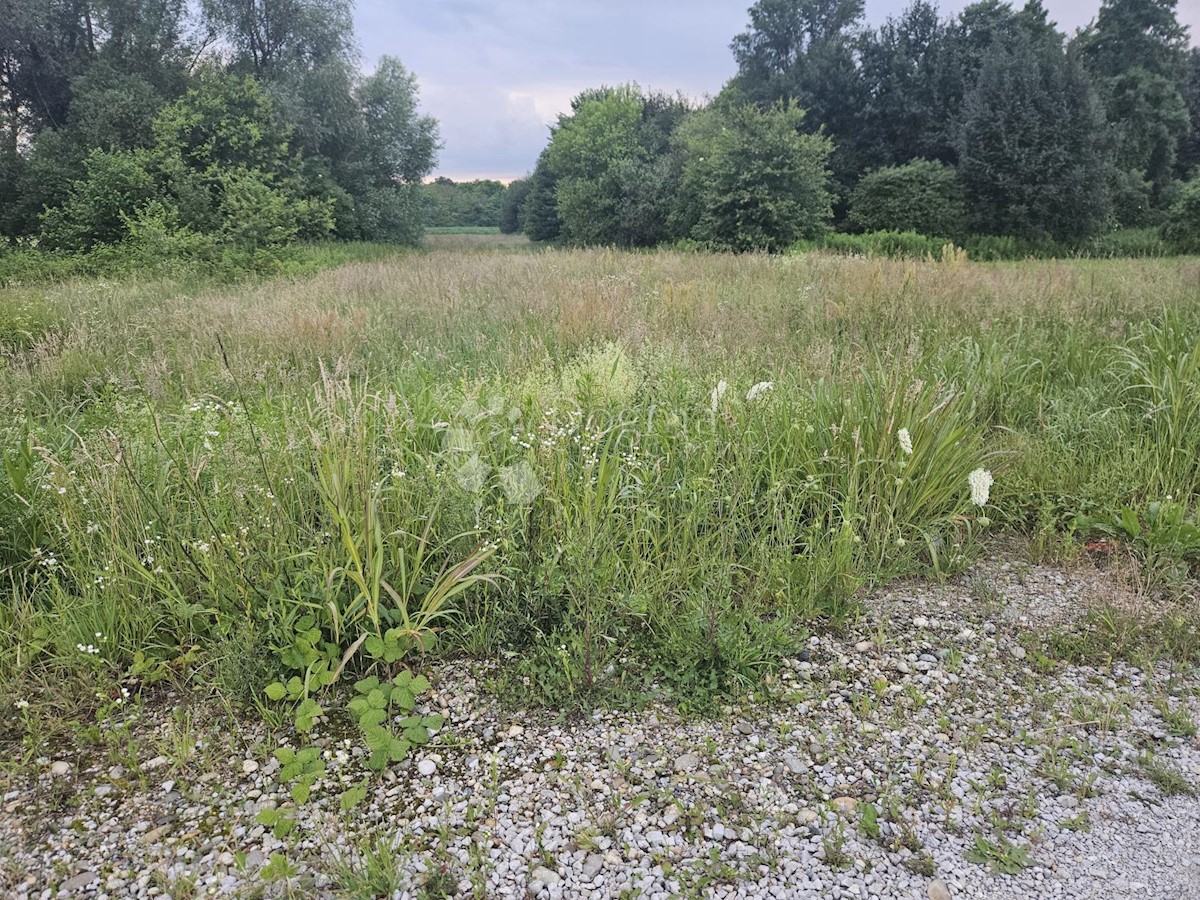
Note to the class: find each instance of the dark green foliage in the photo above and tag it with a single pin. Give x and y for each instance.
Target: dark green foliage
(892, 244)
(752, 180)
(512, 207)
(119, 132)
(1030, 156)
(802, 51)
(1181, 228)
(920, 196)
(614, 173)
(541, 220)
(455, 204)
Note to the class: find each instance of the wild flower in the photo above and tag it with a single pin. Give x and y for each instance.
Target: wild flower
(905, 440)
(22, 704)
(89, 649)
(717, 393)
(758, 390)
(981, 485)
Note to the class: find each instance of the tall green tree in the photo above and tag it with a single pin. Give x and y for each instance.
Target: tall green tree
(1137, 51)
(611, 158)
(803, 51)
(752, 180)
(1031, 156)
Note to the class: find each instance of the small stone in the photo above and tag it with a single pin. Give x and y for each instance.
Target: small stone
(427, 767)
(863, 646)
(744, 728)
(78, 882)
(59, 768)
(157, 763)
(938, 890)
(515, 731)
(168, 785)
(1017, 651)
(920, 622)
(794, 765)
(688, 762)
(545, 876)
(103, 790)
(116, 773)
(592, 866)
(845, 805)
(249, 766)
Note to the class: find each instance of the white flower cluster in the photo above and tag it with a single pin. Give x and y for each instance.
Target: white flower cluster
(759, 390)
(89, 649)
(719, 392)
(905, 440)
(981, 482)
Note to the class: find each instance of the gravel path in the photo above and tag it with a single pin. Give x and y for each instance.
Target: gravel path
(885, 757)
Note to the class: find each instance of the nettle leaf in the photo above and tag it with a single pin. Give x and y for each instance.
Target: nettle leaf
(285, 755)
(306, 712)
(399, 749)
(353, 796)
(308, 755)
(378, 760)
(300, 792)
(267, 817)
(371, 718)
(366, 685)
(276, 691)
(378, 738)
(283, 827)
(416, 734)
(404, 698)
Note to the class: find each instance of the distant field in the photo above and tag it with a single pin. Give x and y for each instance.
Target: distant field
(462, 229)
(652, 456)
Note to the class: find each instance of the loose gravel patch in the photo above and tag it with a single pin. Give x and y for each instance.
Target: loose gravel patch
(932, 750)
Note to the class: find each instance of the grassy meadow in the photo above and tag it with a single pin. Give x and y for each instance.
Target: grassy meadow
(623, 475)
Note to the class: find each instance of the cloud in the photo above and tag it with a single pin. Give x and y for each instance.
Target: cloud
(497, 73)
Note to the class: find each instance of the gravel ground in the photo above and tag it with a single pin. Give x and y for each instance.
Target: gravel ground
(884, 759)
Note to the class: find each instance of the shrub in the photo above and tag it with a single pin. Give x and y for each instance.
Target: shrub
(921, 196)
(892, 244)
(751, 180)
(1181, 229)
(1126, 243)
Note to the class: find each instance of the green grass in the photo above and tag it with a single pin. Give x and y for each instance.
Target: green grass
(462, 229)
(301, 477)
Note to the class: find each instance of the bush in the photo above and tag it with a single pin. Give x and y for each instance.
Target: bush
(989, 247)
(892, 244)
(1126, 243)
(751, 180)
(921, 196)
(1181, 228)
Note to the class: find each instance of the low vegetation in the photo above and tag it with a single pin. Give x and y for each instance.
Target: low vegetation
(588, 462)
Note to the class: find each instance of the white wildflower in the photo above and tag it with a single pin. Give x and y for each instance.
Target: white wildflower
(718, 393)
(981, 485)
(905, 441)
(758, 390)
(22, 704)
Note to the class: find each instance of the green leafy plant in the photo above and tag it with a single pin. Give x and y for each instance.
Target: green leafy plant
(1000, 855)
(300, 769)
(375, 708)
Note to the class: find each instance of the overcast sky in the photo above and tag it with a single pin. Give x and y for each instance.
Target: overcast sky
(496, 73)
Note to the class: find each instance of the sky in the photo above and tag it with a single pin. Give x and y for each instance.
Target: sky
(496, 73)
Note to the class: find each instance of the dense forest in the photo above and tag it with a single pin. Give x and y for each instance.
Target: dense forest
(992, 127)
(219, 131)
(154, 129)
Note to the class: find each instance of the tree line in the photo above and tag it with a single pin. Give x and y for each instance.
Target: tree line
(221, 130)
(992, 122)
